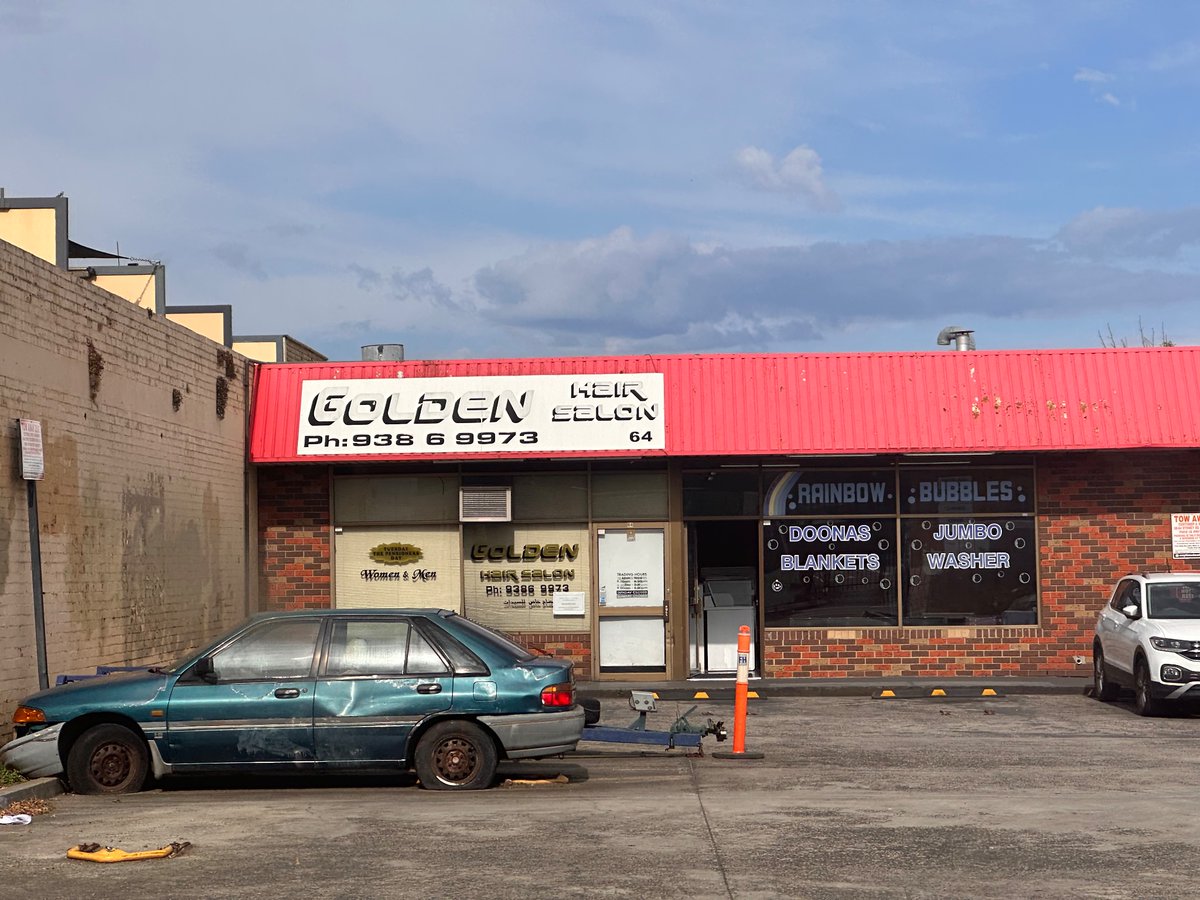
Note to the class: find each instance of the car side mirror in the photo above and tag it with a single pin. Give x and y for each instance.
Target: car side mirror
(1131, 611)
(203, 669)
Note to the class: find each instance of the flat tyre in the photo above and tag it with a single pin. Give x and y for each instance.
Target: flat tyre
(107, 759)
(456, 756)
(1102, 687)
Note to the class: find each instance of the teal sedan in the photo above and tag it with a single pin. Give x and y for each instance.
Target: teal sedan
(427, 690)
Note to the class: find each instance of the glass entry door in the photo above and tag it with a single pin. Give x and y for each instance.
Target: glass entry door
(631, 600)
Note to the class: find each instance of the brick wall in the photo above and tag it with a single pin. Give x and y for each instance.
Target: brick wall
(575, 646)
(294, 537)
(143, 505)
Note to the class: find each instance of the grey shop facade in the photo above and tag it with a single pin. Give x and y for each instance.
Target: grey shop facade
(641, 563)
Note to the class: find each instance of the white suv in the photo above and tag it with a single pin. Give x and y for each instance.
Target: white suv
(1148, 638)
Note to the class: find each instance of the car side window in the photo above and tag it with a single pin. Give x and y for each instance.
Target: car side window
(1128, 592)
(380, 647)
(422, 658)
(1135, 595)
(1118, 599)
(277, 649)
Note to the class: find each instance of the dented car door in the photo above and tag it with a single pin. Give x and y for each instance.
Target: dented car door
(248, 703)
(379, 678)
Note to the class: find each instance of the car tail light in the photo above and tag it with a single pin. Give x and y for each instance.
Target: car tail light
(27, 715)
(558, 695)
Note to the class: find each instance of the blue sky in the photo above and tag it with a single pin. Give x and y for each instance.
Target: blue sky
(530, 179)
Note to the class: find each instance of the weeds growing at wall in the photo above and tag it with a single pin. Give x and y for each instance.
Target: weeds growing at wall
(95, 369)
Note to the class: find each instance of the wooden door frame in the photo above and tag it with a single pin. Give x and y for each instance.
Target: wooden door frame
(671, 617)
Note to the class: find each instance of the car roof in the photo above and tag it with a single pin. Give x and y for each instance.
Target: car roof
(357, 612)
(1153, 577)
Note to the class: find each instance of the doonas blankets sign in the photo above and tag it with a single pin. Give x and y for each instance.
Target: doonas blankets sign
(486, 414)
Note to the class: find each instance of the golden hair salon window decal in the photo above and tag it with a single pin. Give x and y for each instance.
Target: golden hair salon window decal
(485, 414)
(513, 573)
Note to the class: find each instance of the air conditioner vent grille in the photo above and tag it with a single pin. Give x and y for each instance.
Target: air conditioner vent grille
(485, 504)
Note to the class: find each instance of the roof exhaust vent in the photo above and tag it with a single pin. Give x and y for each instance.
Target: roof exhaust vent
(383, 353)
(961, 338)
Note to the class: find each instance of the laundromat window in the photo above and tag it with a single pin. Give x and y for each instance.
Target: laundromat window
(721, 493)
(400, 498)
(629, 496)
(550, 498)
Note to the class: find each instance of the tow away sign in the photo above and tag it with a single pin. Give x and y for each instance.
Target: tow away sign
(33, 460)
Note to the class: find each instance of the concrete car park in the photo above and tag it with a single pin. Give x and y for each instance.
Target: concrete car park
(1012, 796)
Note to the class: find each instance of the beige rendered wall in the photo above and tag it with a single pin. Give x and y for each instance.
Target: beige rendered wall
(143, 505)
(139, 289)
(33, 230)
(210, 325)
(262, 351)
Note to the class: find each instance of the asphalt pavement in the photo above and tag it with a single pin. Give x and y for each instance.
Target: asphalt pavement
(1016, 795)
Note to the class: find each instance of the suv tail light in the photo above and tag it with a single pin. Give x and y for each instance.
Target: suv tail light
(559, 695)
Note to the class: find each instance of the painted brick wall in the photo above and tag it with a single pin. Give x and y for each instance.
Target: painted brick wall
(1101, 515)
(575, 646)
(294, 537)
(142, 510)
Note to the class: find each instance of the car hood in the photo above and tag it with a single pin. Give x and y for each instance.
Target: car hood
(124, 690)
(1184, 629)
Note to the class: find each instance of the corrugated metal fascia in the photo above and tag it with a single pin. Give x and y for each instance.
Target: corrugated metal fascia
(844, 403)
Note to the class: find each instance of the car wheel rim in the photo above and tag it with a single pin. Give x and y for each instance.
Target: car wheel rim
(456, 760)
(111, 765)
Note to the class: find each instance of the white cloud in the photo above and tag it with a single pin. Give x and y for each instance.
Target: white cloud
(1185, 55)
(1093, 76)
(1108, 98)
(798, 173)
(661, 293)
(1122, 233)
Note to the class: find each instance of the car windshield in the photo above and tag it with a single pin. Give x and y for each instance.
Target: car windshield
(1173, 600)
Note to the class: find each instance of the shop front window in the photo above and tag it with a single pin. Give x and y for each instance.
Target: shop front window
(513, 574)
(970, 571)
(721, 493)
(915, 546)
(629, 496)
(830, 572)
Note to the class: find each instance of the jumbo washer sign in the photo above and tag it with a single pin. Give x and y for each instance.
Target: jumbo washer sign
(488, 414)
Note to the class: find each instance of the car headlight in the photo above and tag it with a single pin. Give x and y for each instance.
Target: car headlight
(1172, 644)
(28, 715)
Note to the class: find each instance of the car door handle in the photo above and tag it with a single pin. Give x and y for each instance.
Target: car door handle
(287, 693)
(429, 688)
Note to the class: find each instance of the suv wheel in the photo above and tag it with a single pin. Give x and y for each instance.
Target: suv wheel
(1102, 688)
(1143, 700)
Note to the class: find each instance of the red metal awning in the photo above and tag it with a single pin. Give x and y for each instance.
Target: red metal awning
(823, 404)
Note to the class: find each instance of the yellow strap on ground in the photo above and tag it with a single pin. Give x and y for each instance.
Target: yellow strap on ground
(988, 692)
(700, 695)
(938, 692)
(96, 853)
(752, 695)
(887, 693)
(557, 779)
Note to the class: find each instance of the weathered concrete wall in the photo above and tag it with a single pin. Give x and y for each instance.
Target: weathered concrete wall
(142, 509)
